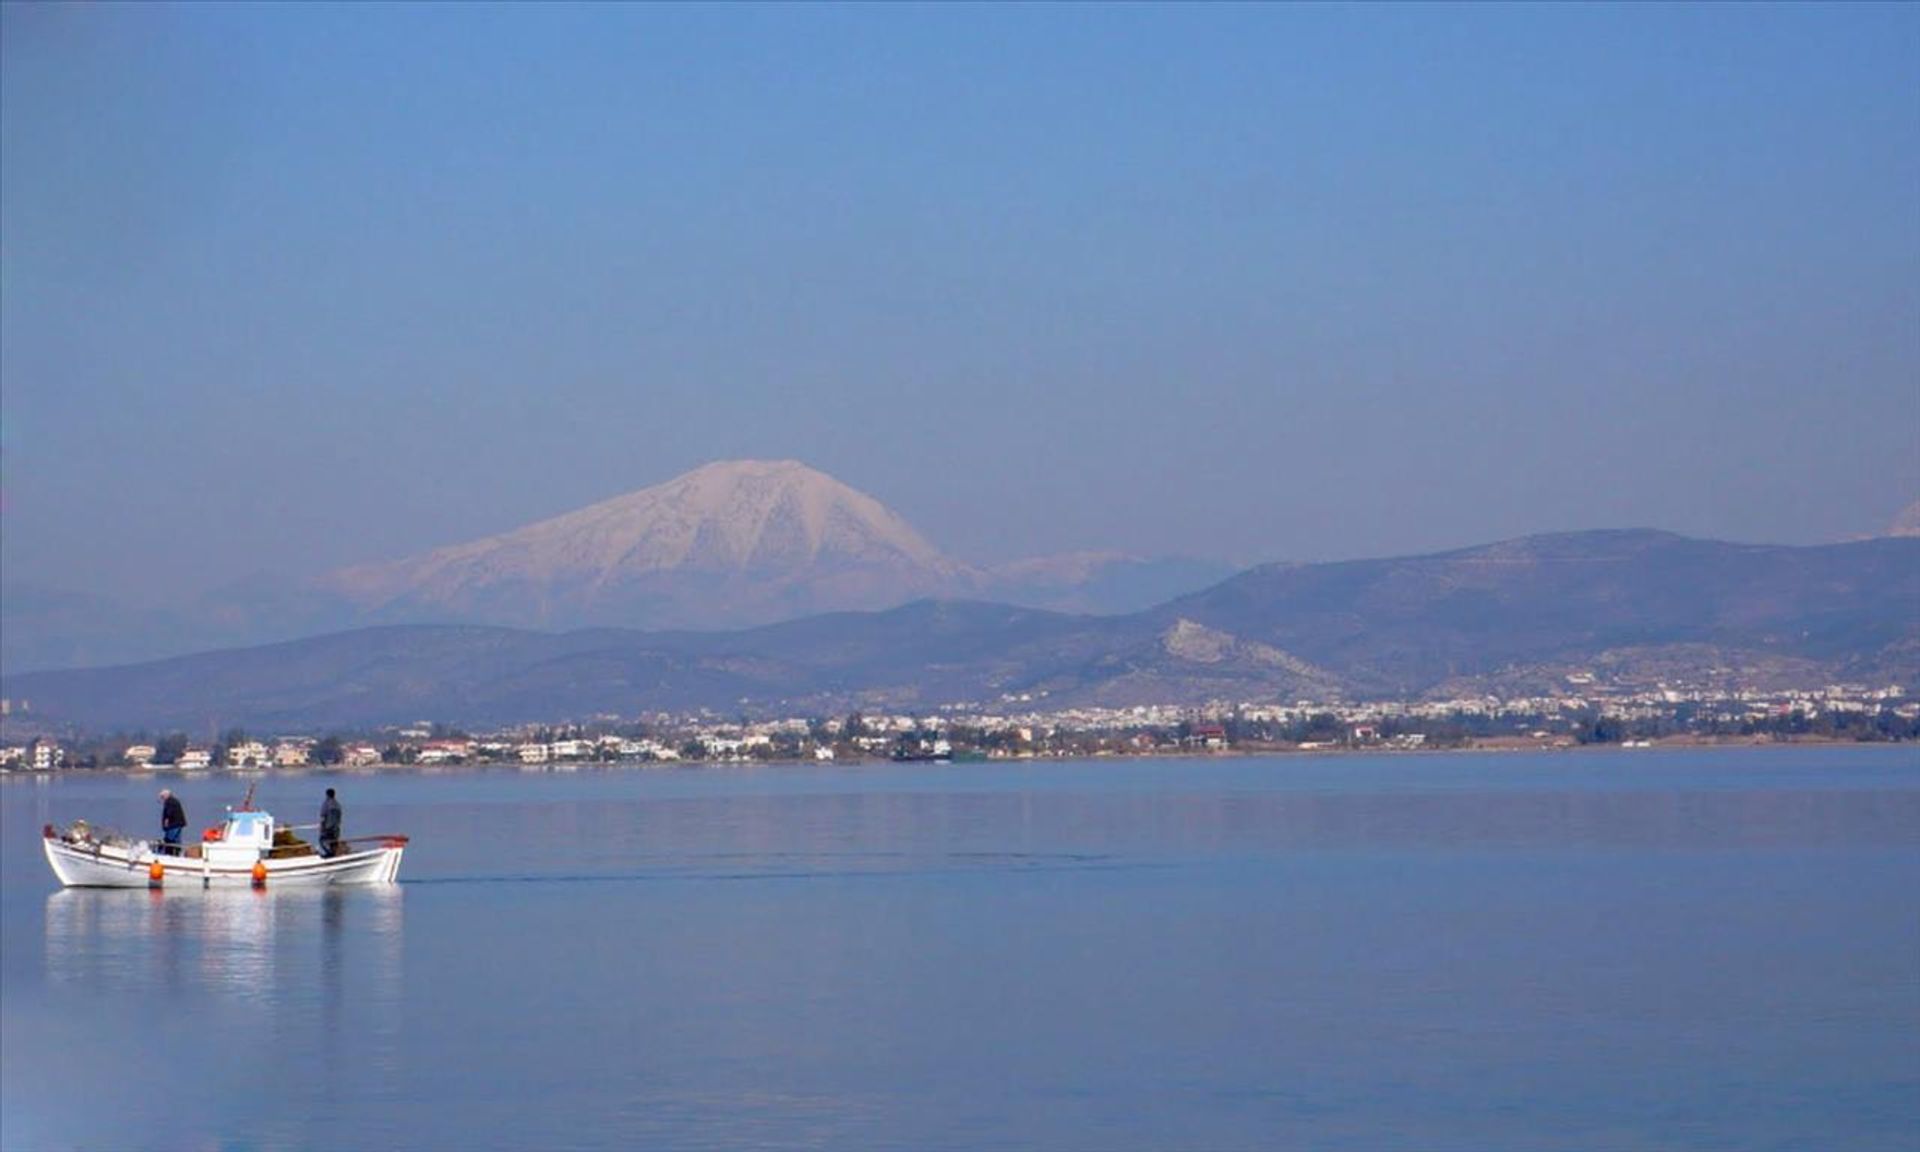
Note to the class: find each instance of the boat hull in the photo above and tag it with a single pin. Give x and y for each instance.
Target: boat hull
(131, 866)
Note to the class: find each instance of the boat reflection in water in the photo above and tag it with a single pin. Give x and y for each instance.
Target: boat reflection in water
(287, 996)
(284, 947)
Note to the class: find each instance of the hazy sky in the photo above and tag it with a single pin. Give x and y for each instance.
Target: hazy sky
(287, 287)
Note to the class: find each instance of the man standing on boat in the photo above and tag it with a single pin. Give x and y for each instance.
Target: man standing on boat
(173, 820)
(329, 825)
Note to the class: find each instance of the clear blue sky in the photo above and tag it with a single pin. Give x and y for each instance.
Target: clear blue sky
(287, 287)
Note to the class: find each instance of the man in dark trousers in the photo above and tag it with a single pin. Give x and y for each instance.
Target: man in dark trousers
(329, 825)
(173, 820)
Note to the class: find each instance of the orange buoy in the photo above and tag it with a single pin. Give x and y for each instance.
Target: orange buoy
(156, 872)
(259, 873)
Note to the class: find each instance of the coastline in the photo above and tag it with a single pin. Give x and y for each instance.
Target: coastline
(1497, 744)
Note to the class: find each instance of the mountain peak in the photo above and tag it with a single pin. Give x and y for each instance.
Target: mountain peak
(727, 469)
(734, 541)
(747, 515)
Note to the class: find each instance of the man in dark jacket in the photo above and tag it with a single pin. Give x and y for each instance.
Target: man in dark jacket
(329, 825)
(173, 820)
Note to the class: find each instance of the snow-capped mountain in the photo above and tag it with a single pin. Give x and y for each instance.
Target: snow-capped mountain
(731, 544)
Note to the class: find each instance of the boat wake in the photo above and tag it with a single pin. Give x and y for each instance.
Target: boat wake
(810, 866)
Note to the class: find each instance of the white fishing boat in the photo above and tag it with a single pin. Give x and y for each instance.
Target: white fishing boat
(240, 851)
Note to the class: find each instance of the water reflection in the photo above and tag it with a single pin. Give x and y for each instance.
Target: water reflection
(247, 946)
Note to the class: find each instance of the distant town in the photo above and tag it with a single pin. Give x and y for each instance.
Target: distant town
(1021, 727)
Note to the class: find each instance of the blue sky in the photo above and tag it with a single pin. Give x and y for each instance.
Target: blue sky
(289, 287)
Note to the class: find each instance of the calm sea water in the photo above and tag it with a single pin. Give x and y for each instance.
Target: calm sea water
(1702, 950)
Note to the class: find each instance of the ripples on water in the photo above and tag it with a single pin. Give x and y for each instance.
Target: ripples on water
(1695, 951)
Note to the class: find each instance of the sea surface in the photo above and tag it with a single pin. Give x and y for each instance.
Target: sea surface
(1613, 950)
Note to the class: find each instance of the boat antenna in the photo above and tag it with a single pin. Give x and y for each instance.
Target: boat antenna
(246, 805)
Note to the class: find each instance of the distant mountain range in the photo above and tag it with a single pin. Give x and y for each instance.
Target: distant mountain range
(731, 545)
(1628, 607)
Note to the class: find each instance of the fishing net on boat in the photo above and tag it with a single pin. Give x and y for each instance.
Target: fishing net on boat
(84, 834)
(286, 844)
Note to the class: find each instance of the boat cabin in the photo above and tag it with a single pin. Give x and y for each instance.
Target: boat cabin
(245, 837)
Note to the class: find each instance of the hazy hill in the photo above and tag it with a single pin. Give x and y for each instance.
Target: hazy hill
(50, 627)
(1906, 522)
(1405, 626)
(1514, 616)
(1104, 583)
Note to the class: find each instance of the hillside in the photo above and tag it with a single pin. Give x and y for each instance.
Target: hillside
(1636, 601)
(1518, 616)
